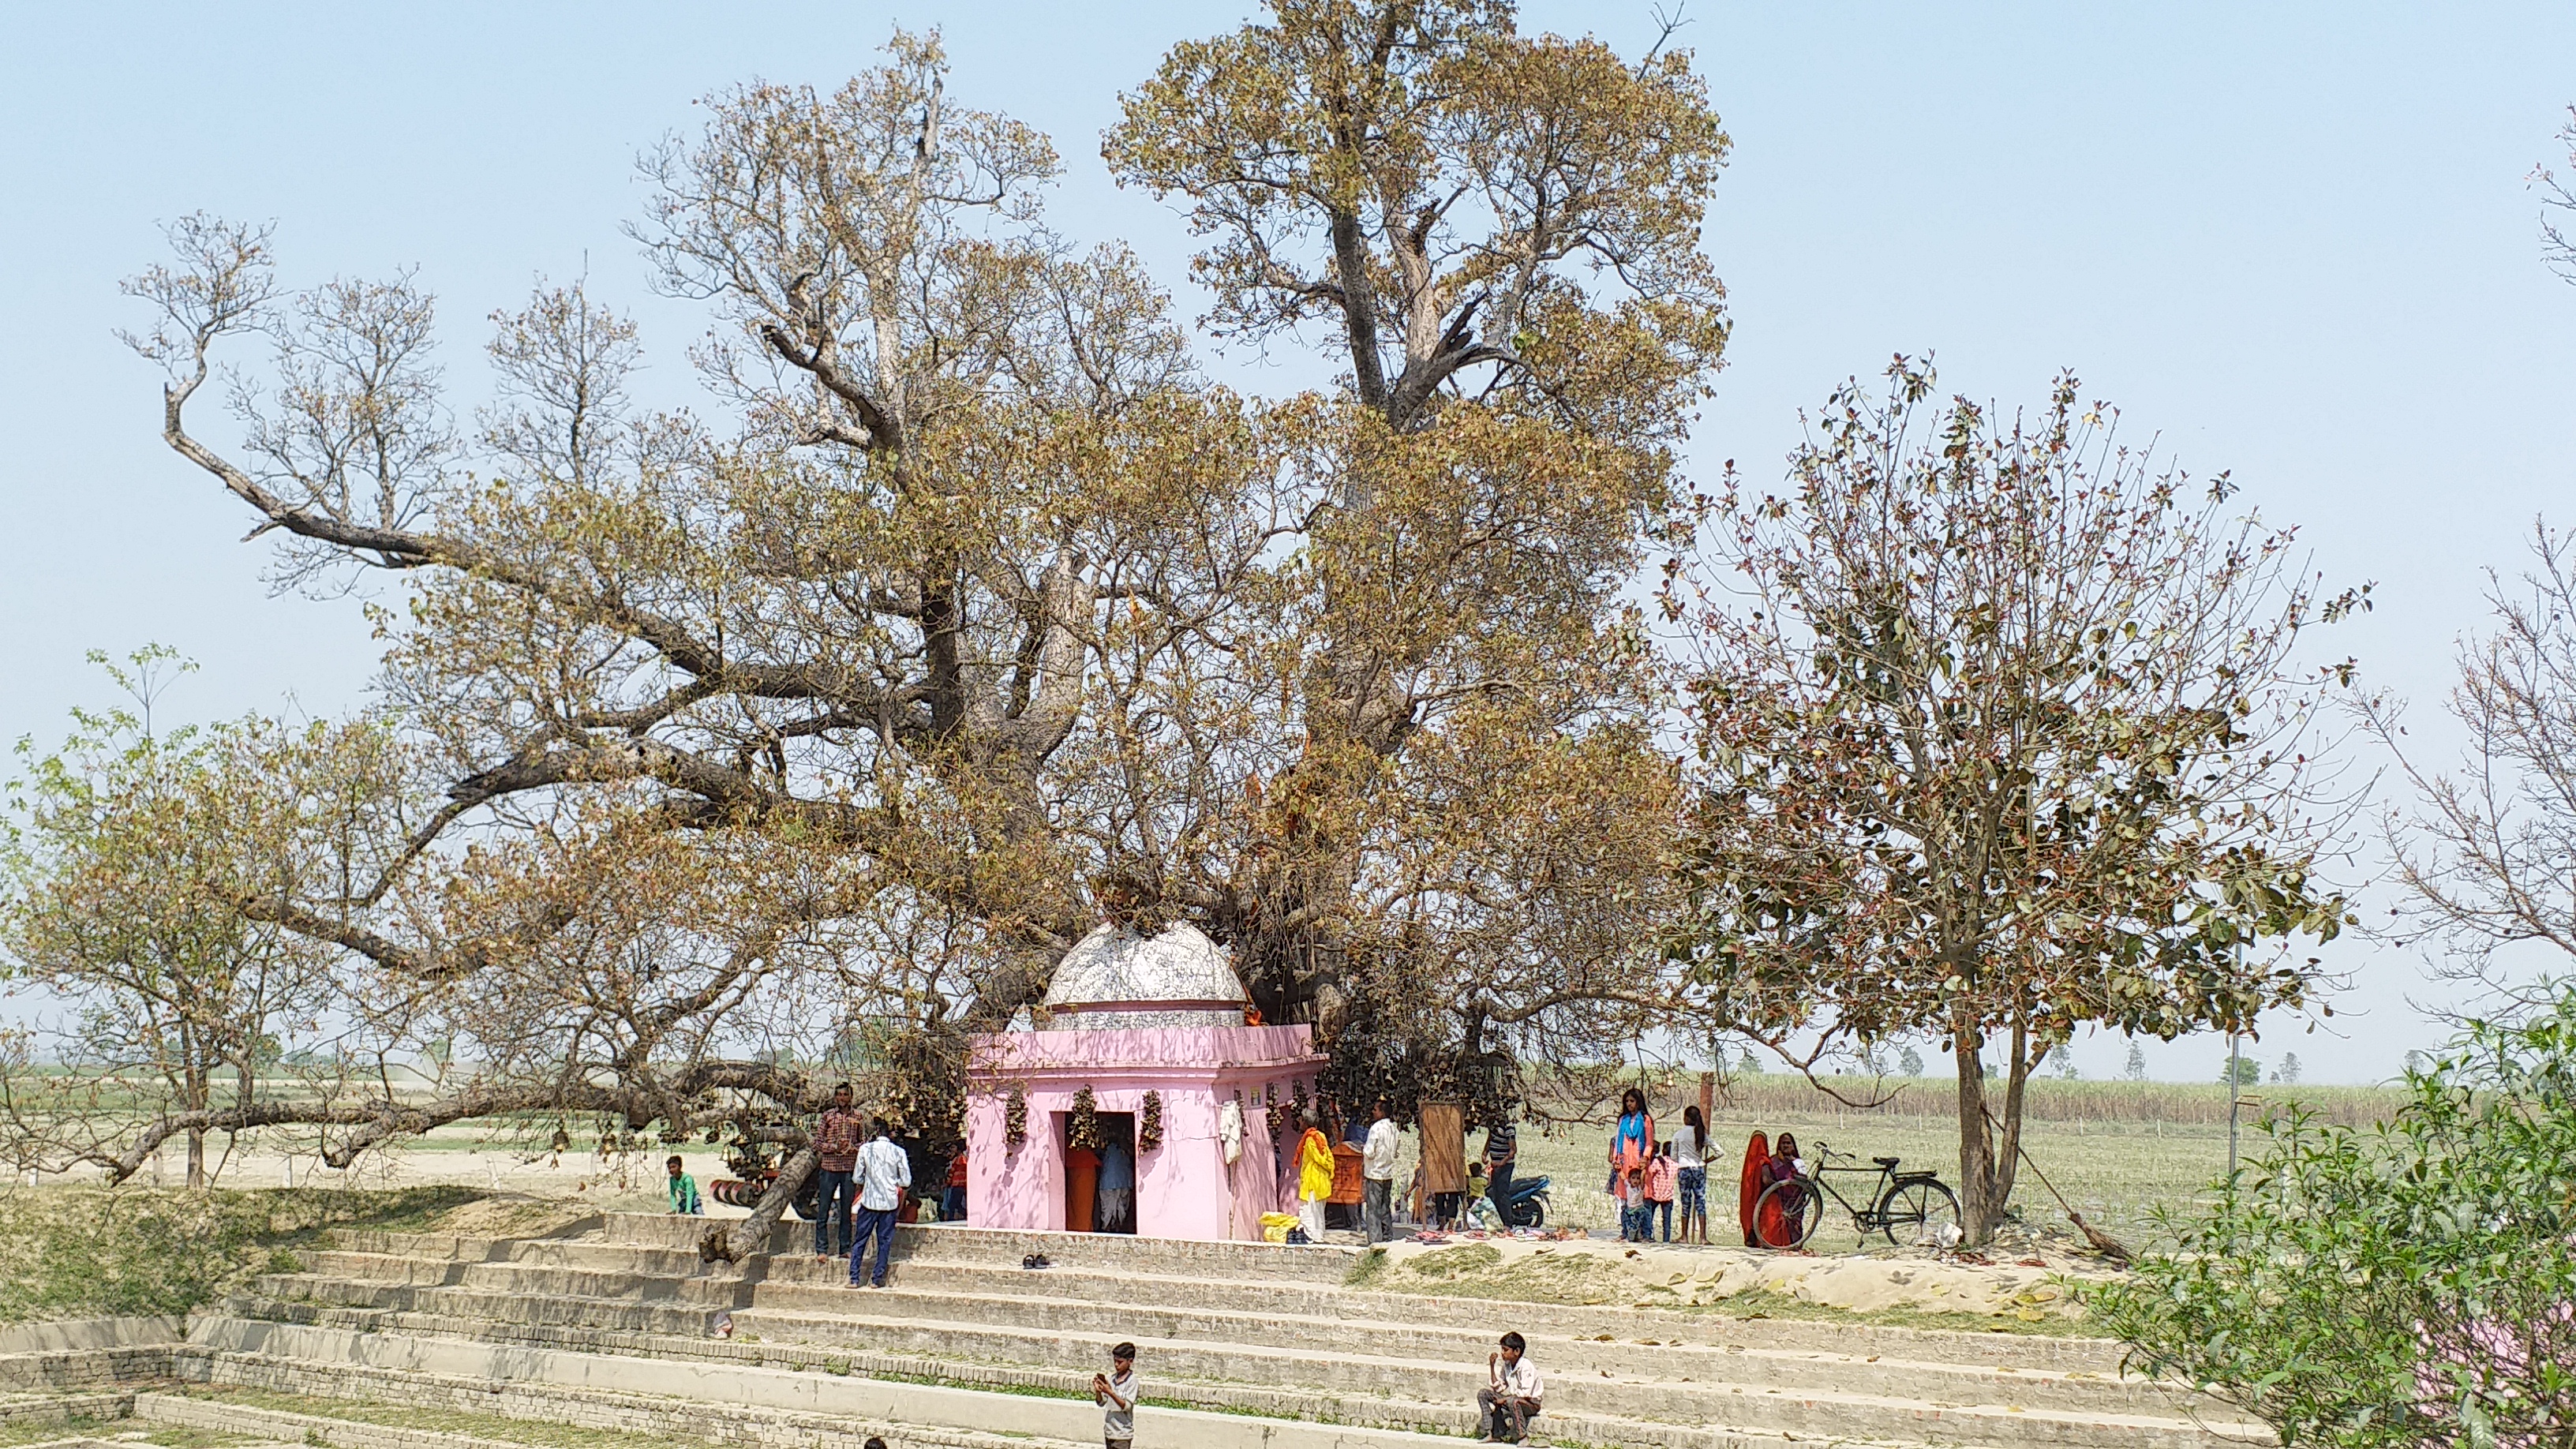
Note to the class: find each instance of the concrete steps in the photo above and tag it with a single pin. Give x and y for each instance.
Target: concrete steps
(1237, 1334)
(729, 1401)
(956, 1243)
(339, 1423)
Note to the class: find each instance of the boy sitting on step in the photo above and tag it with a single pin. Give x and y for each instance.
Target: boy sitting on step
(1510, 1397)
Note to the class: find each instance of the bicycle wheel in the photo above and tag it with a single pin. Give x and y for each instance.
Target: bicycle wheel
(1913, 1211)
(1786, 1214)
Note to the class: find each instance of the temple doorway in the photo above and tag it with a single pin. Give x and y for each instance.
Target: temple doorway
(1111, 1202)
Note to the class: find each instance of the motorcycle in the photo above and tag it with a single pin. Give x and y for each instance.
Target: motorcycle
(1526, 1204)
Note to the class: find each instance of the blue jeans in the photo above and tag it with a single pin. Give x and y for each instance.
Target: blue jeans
(952, 1205)
(839, 1193)
(877, 1223)
(1666, 1208)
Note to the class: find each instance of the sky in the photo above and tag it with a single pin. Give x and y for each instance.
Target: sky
(2292, 241)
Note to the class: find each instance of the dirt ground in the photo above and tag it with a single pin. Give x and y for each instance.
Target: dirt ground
(2039, 1286)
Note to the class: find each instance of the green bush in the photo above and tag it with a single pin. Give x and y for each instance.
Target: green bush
(2405, 1284)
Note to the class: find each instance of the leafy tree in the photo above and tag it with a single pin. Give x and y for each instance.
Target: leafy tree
(2409, 1284)
(1911, 1063)
(2241, 1071)
(2136, 1068)
(970, 614)
(1999, 733)
(2287, 1073)
(2063, 1062)
(122, 883)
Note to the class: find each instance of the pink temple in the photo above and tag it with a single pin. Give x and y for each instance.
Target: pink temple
(1128, 1015)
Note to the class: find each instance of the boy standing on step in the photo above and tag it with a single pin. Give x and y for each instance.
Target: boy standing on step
(1115, 1393)
(884, 1172)
(1509, 1399)
(1377, 1175)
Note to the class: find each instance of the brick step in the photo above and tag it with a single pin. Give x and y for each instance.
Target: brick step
(327, 1421)
(1470, 1325)
(27, 1412)
(1890, 1401)
(1307, 1321)
(356, 1267)
(1706, 1389)
(537, 1253)
(1434, 1363)
(600, 1389)
(958, 1242)
(675, 1317)
(456, 1246)
(781, 1285)
(51, 1372)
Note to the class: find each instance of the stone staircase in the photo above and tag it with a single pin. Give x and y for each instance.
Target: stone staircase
(620, 1326)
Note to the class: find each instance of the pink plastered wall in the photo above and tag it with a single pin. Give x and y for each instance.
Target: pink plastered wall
(1184, 1186)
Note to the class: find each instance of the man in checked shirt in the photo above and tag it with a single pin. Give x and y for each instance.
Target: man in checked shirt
(836, 1142)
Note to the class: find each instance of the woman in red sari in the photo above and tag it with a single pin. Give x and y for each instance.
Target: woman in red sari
(1779, 1219)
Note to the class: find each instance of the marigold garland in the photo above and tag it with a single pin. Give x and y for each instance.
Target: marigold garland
(1084, 1128)
(1149, 1126)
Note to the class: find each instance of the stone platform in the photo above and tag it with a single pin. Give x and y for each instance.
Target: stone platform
(617, 1326)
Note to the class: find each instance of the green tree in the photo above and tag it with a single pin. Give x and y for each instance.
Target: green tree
(2000, 731)
(2409, 1284)
(2241, 1071)
(122, 891)
(1911, 1063)
(2136, 1067)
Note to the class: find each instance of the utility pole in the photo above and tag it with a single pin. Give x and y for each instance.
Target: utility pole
(2233, 1099)
(2235, 1092)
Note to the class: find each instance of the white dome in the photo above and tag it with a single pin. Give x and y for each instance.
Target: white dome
(1114, 979)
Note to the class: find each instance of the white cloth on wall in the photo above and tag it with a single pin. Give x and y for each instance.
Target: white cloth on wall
(1229, 1131)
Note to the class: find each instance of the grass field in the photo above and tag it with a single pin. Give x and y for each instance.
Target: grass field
(2119, 1151)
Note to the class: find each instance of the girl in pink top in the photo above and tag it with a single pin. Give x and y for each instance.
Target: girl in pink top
(1661, 1178)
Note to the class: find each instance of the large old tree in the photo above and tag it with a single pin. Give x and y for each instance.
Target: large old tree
(2002, 730)
(968, 612)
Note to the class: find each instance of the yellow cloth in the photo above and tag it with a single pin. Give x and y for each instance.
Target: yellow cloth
(1275, 1226)
(1314, 1166)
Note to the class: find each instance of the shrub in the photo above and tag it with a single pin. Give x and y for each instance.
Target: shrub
(2406, 1284)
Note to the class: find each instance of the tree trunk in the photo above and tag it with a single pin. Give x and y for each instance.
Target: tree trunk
(1978, 1207)
(750, 1237)
(2016, 1090)
(196, 1157)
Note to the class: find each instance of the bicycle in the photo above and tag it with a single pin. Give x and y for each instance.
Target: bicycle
(1907, 1207)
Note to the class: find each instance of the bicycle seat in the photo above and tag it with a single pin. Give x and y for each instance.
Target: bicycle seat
(1887, 1162)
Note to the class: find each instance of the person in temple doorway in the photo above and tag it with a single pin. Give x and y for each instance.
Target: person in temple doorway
(1116, 1210)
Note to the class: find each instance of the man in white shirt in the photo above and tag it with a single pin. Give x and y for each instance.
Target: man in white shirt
(1377, 1176)
(884, 1172)
(1510, 1397)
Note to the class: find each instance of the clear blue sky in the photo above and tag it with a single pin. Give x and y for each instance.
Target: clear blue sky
(2294, 240)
